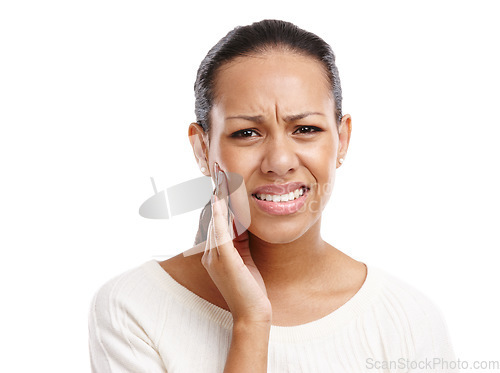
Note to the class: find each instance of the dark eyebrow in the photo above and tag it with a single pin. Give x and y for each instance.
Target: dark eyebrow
(257, 118)
(289, 118)
(295, 117)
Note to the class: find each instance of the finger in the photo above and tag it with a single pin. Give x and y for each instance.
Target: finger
(222, 229)
(232, 230)
(238, 201)
(211, 244)
(211, 250)
(221, 235)
(223, 192)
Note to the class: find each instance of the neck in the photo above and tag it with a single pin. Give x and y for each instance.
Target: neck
(292, 264)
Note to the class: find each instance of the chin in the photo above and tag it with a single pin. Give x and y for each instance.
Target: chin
(277, 235)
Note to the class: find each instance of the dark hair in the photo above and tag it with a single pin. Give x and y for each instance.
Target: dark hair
(258, 37)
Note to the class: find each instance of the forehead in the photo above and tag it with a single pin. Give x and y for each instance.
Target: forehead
(274, 80)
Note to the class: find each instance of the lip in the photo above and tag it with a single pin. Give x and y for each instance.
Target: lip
(279, 189)
(281, 208)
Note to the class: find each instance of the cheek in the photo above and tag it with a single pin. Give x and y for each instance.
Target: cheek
(321, 157)
(235, 159)
(321, 163)
(226, 155)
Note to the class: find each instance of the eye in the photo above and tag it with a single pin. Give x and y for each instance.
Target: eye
(309, 129)
(243, 133)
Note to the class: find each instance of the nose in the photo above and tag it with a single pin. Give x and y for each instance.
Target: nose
(280, 156)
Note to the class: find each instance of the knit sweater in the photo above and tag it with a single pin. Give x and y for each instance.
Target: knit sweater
(145, 321)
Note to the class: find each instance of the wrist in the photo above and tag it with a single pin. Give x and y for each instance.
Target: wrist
(246, 324)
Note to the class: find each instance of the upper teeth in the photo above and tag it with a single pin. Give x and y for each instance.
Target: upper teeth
(282, 197)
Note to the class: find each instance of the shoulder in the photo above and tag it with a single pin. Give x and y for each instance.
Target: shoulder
(401, 297)
(127, 286)
(125, 321)
(131, 300)
(411, 317)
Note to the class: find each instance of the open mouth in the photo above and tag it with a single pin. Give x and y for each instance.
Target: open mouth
(287, 197)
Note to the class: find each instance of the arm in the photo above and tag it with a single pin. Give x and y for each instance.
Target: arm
(231, 267)
(248, 351)
(437, 346)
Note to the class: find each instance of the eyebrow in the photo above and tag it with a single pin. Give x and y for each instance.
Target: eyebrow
(289, 118)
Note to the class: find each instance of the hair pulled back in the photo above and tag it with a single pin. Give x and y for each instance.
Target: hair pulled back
(256, 38)
(259, 37)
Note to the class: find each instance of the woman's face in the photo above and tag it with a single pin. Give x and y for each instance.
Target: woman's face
(273, 123)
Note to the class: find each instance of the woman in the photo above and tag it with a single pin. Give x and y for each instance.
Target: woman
(265, 293)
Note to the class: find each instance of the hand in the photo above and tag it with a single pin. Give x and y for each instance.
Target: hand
(230, 265)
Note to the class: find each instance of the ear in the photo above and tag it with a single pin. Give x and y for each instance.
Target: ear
(344, 137)
(199, 142)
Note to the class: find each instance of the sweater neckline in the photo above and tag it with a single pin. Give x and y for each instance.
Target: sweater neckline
(315, 329)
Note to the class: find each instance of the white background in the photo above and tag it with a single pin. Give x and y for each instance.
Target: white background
(96, 97)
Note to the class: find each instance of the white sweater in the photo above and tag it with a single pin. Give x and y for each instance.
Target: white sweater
(145, 321)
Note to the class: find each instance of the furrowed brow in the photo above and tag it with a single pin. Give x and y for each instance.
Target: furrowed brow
(291, 118)
(256, 118)
(288, 118)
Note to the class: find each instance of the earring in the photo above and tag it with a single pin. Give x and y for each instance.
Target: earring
(341, 160)
(203, 169)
